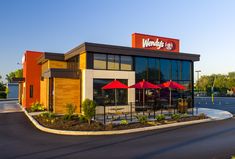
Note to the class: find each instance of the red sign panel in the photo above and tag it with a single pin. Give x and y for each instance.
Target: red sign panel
(155, 43)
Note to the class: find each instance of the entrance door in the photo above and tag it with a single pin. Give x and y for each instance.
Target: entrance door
(51, 93)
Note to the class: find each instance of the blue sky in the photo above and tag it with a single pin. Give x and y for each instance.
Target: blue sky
(205, 27)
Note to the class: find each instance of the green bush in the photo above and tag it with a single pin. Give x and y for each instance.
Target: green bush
(82, 119)
(185, 115)
(175, 116)
(37, 107)
(89, 107)
(202, 116)
(48, 115)
(142, 119)
(71, 108)
(160, 117)
(124, 122)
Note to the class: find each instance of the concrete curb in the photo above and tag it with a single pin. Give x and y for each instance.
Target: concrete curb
(4, 100)
(115, 132)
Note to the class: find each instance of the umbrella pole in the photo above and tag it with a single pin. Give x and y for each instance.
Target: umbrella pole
(143, 97)
(170, 98)
(115, 99)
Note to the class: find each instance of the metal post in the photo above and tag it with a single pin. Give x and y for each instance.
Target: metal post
(104, 116)
(131, 111)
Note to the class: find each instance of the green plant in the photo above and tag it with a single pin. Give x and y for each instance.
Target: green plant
(185, 115)
(175, 116)
(124, 122)
(71, 108)
(48, 115)
(37, 107)
(142, 119)
(160, 117)
(202, 116)
(89, 107)
(82, 118)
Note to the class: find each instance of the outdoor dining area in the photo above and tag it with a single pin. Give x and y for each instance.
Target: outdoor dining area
(164, 104)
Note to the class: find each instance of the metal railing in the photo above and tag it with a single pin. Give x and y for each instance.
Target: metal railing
(107, 113)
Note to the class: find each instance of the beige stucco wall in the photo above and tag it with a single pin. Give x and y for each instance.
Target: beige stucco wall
(88, 75)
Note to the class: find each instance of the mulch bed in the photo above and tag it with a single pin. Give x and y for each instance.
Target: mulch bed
(76, 125)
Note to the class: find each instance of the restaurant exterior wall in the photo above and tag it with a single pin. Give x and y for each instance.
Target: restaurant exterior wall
(88, 75)
(66, 91)
(32, 75)
(44, 93)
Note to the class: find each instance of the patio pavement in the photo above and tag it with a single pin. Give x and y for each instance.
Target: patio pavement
(215, 114)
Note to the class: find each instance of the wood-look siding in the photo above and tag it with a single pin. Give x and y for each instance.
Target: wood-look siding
(44, 93)
(83, 61)
(57, 64)
(53, 64)
(66, 91)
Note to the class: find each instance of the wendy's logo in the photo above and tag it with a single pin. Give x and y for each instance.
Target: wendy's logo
(169, 45)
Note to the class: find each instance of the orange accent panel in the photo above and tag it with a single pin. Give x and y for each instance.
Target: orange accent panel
(32, 75)
(151, 42)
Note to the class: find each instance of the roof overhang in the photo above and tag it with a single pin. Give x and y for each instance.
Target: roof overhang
(18, 80)
(50, 56)
(121, 50)
(61, 73)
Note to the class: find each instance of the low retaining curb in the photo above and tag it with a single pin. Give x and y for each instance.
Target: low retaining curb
(115, 132)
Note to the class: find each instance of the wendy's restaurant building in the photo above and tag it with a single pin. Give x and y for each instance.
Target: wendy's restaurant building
(56, 79)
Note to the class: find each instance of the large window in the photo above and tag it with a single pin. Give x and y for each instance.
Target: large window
(157, 70)
(126, 63)
(100, 61)
(186, 70)
(153, 70)
(113, 62)
(175, 70)
(141, 64)
(107, 97)
(73, 63)
(165, 66)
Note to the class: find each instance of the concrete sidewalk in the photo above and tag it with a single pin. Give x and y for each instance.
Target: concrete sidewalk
(214, 114)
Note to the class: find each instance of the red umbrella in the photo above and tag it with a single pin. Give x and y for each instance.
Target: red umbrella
(173, 85)
(144, 85)
(115, 84)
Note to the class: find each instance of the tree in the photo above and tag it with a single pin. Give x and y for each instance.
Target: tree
(15, 74)
(221, 83)
(89, 107)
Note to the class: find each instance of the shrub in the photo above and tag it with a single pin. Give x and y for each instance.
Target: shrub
(47, 115)
(89, 107)
(82, 118)
(202, 116)
(185, 115)
(160, 117)
(142, 119)
(124, 122)
(37, 107)
(175, 116)
(71, 108)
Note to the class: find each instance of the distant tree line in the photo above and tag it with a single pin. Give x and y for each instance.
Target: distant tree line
(221, 84)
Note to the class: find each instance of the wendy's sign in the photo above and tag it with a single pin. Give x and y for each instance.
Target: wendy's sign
(155, 43)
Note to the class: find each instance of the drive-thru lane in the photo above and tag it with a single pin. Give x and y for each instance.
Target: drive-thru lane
(20, 139)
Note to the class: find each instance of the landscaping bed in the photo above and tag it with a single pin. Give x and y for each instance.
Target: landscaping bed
(79, 123)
